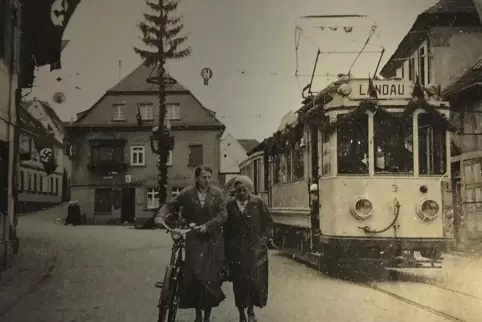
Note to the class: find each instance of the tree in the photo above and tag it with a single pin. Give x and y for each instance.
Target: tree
(161, 32)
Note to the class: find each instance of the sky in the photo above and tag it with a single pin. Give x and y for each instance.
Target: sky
(249, 45)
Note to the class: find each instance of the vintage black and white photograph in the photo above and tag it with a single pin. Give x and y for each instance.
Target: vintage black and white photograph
(240, 161)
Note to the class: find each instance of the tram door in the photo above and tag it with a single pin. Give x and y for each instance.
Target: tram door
(314, 204)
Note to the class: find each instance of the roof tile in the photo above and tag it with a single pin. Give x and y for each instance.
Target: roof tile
(248, 144)
(136, 81)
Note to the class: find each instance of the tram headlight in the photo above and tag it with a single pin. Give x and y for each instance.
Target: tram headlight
(428, 209)
(362, 208)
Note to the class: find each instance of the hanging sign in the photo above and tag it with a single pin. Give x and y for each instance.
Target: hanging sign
(206, 74)
(386, 89)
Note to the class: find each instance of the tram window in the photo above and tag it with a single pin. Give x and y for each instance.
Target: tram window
(352, 146)
(276, 168)
(432, 147)
(298, 163)
(393, 144)
(325, 158)
(287, 164)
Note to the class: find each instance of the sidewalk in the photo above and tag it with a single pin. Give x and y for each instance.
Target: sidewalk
(30, 267)
(458, 273)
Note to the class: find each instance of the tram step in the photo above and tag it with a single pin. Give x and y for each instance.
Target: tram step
(159, 284)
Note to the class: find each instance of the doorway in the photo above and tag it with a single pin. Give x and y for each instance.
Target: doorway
(128, 210)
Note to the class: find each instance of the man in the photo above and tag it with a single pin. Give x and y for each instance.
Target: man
(247, 232)
(203, 205)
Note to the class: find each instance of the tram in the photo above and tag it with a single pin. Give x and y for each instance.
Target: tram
(376, 156)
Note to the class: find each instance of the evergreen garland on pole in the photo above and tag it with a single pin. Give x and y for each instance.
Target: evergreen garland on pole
(161, 32)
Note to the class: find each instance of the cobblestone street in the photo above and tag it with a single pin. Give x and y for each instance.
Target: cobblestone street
(107, 273)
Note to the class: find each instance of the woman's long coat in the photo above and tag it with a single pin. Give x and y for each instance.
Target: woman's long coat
(246, 235)
(73, 215)
(201, 283)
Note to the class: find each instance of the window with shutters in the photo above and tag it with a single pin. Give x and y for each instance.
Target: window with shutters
(195, 155)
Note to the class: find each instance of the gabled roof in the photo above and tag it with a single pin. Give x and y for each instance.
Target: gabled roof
(471, 77)
(136, 81)
(50, 112)
(29, 123)
(248, 144)
(450, 13)
(452, 6)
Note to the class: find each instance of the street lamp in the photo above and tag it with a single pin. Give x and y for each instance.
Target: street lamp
(162, 139)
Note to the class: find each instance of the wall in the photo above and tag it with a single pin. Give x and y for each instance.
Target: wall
(454, 50)
(180, 174)
(147, 174)
(4, 101)
(191, 112)
(472, 123)
(232, 154)
(291, 195)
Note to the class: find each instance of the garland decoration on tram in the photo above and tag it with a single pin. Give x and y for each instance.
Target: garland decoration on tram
(437, 119)
(354, 116)
(290, 135)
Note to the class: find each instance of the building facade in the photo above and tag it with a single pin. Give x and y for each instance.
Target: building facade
(443, 45)
(35, 188)
(233, 152)
(114, 172)
(9, 71)
(465, 95)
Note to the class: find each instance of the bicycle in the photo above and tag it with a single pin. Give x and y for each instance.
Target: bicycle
(169, 298)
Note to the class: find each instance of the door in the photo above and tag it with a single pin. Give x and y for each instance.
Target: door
(128, 211)
(103, 201)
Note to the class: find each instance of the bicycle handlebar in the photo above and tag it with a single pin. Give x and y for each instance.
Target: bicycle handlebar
(192, 226)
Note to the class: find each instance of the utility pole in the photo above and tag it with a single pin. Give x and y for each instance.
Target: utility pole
(161, 32)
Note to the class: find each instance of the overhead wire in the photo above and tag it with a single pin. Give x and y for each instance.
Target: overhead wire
(348, 29)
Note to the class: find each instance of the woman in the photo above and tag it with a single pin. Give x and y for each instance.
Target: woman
(203, 205)
(247, 231)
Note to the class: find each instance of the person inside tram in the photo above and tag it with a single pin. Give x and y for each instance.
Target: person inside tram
(394, 156)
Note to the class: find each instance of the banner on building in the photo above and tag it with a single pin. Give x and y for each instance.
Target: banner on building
(42, 24)
(46, 152)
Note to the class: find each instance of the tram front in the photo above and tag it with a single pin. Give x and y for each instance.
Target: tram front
(388, 160)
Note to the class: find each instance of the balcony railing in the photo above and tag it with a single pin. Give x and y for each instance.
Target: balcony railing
(106, 166)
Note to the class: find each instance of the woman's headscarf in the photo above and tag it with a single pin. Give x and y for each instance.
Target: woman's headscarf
(246, 181)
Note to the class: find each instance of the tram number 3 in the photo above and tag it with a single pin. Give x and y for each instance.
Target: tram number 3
(394, 188)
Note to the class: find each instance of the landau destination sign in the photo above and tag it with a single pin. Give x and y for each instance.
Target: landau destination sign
(386, 89)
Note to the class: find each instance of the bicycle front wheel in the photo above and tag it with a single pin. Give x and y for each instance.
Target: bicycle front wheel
(164, 297)
(175, 297)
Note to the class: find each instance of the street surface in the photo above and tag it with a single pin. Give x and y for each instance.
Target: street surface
(107, 273)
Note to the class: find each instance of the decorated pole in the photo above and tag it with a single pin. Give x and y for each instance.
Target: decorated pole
(161, 31)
